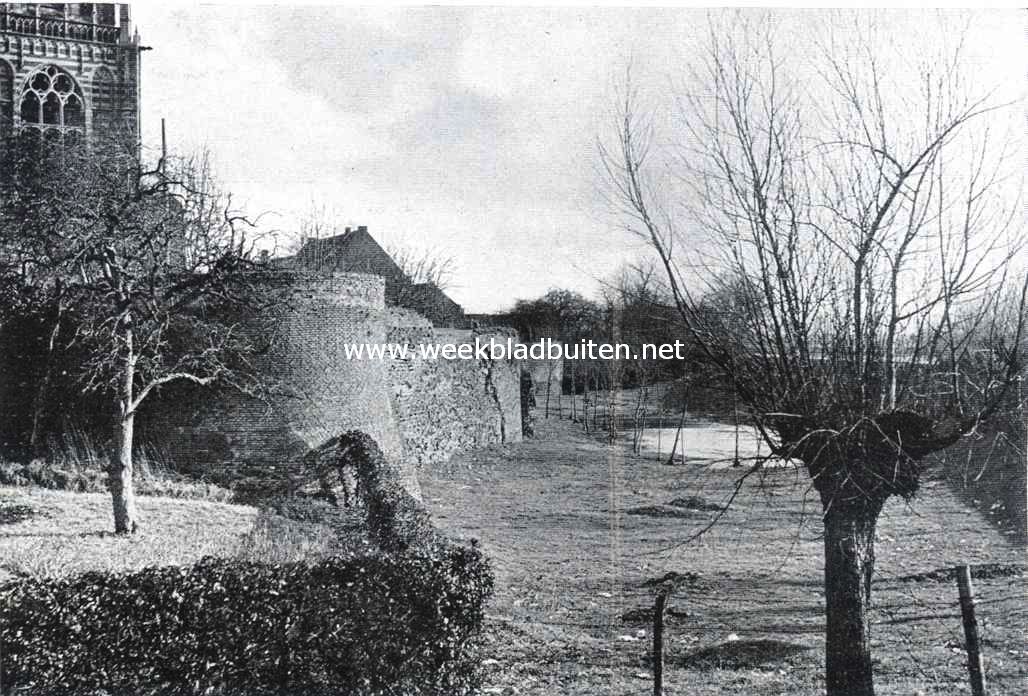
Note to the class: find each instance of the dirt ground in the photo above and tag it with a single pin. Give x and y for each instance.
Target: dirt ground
(575, 527)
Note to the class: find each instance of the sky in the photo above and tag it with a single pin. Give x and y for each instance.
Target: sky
(465, 133)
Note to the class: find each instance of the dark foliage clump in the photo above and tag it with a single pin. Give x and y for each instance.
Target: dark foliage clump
(367, 625)
(53, 476)
(13, 514)
(875, 458)
(403, 620)
(396, 521)
(259, 491)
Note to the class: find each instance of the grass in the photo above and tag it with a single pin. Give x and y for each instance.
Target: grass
(46, 533)
(91, 477)
(575, 527)
(275, 538)
(570, 615)
(75, 461)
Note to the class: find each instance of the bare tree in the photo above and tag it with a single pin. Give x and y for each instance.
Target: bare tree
(150, 266)
(864, 231)
(317, 221)
(424, 267)
(636, 316)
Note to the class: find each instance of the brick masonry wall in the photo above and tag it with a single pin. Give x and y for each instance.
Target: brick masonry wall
(419, 411)
(319, 393)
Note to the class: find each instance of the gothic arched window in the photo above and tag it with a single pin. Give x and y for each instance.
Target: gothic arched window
(52, 102)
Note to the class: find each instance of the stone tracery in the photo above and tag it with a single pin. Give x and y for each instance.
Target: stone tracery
(51, 102)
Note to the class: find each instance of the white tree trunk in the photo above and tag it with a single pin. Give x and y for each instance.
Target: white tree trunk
(122, 491)
(126, 520)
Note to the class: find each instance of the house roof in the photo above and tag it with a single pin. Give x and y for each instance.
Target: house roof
(354, 250)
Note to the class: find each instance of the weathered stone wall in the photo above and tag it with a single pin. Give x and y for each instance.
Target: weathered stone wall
(447, 406)
(419, 411)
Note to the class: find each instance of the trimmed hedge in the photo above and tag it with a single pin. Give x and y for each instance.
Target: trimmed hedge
(404, 624)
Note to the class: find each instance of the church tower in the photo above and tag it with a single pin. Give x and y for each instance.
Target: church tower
(69, 71)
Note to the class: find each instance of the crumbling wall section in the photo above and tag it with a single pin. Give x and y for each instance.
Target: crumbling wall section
(448, 406)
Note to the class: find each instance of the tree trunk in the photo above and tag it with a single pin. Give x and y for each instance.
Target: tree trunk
(549, 381)
(735, 420)
(122, 491)
(636, 428)
(574, 394)
(849, 564)
(678, 433)
(39, 402)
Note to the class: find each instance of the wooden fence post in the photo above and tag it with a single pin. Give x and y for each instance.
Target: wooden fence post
(974, 654)
(658, 641)
(664, 586)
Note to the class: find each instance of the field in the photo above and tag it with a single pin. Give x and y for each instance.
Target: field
(575, 527)
(46, 533)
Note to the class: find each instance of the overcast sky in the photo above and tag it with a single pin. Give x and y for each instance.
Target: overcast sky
(468, 132)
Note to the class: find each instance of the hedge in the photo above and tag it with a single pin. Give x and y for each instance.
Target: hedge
(376, 624)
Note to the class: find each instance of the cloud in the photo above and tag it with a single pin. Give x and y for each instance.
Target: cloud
(470, 131)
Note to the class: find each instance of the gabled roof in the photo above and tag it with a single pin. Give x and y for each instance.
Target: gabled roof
(354, 250)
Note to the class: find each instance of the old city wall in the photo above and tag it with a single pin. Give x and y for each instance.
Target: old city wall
(448, 406)
(317, 392)
(419, 411)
